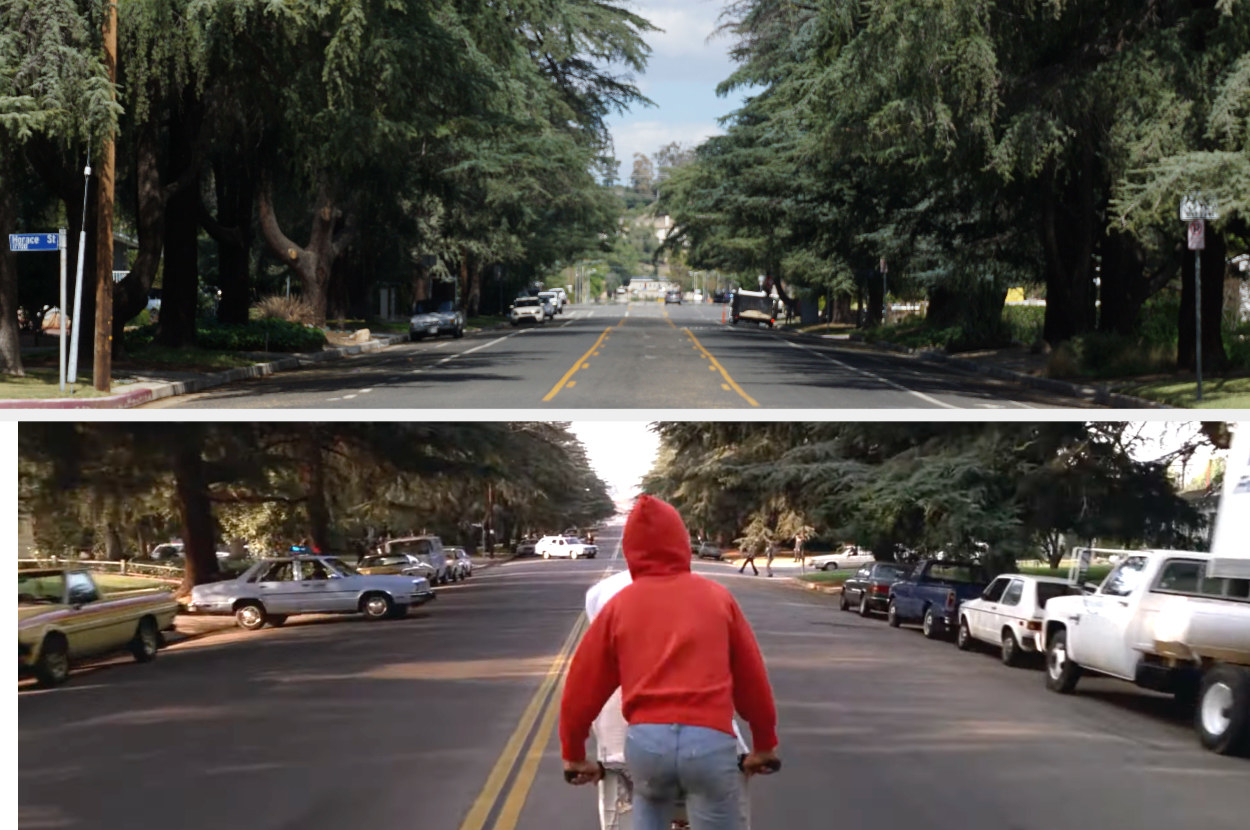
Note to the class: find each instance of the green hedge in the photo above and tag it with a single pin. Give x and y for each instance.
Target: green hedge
(255, 336)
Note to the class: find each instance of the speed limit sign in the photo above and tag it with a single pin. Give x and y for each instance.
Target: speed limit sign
(1197, 235)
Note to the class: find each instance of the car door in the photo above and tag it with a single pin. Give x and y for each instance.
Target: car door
(855, 586)
(1008, 613)
(91, 629)
(981, 613)
(315, 591)
(278, 588)
(1102, 641)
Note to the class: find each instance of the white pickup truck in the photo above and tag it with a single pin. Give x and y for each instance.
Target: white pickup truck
(1160, 621)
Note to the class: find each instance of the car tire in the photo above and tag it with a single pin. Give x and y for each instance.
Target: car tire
(546, 554)
(458, 333)
(933, 630)
(891, 615)
(829, 566)
(1222, 716)
(276, 620)
(250, 616)
(52, 668)
(1061, 673)
(1011, 652)
(842, 604)
(513, 322)
(963, 637)
(376, 606)
(413, 336)
(865, 610)
(146, 642)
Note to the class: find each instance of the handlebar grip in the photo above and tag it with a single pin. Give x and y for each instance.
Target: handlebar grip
(772, 766)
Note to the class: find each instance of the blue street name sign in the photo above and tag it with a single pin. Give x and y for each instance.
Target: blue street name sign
(34, 241)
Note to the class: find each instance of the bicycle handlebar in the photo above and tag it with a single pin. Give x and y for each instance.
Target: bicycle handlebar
(772, 766)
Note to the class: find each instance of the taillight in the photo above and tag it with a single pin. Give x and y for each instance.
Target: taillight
(881, 589)
(950, 599)
(1034, 625)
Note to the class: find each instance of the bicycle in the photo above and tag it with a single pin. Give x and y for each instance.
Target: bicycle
(680, 820)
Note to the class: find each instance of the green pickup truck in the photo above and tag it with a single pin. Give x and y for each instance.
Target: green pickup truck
(62, 616)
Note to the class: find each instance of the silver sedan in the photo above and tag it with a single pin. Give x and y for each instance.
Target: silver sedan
(273, 589)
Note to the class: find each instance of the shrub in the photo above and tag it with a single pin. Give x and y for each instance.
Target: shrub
(1108, 355)
(292, 309)
(255, 336)
(1024, 322)
(1237, 344)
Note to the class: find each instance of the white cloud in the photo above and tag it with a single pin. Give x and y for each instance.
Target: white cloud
(686, 27)
(646, 137)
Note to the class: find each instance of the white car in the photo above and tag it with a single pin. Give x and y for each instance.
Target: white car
(1009, 614)
(527, 310)
(569, 547)
(563, 297)
(551, 299)
(849, 557)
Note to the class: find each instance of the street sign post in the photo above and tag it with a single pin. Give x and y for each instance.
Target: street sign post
(28, 242)
(1196, 210)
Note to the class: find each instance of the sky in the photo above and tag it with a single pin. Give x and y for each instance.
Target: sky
(681, 78)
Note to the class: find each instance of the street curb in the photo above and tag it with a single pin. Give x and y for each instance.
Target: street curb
(492, 563)
(813, 586)
(1097, 393)
(138, 397)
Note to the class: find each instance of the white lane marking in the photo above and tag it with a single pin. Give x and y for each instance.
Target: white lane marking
(442, 345)
(365, 391)
(872, 375)
(334, 399)
(348, 397)
(447, 359)
(590, 314)
(569, 322)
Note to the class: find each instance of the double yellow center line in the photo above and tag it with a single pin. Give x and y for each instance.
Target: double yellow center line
(546, 701)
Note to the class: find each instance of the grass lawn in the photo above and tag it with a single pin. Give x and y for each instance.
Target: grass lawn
(112, 583)
(41, 384)
(188, 358)
(1096, 573)
(484, 321)
(828, 577)
(1217, 393)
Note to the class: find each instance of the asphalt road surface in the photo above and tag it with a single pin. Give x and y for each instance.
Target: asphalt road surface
(625, 356)
(445, 721)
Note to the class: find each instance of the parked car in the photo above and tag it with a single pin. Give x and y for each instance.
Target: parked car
(932, 592)
(869, 589)
(752, 306)
(526, 547)
(849, 556)
(526, 310)
(552, 302)
(431, 318)
(460, 562)
(564, 546)
(63, 617)
(672, 297)
(564, 297)
(274, 589)
(404, 564)
(1159, 621)
(1009, 613)
(426, 548)
(169, 552)
(706, 549)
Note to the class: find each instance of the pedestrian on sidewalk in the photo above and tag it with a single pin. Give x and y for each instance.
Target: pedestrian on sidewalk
(772, 553)
(798, 546)
(684, 657)
(748, 558)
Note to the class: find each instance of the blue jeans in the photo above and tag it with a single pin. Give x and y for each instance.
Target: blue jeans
(669, 760)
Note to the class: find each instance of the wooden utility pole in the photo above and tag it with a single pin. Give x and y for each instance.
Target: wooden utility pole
(103, 369)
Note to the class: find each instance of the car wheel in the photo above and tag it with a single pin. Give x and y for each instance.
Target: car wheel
(146, 641)
(250, 616)
(413, 336)
(458, 333)
(865, 610)
(829, 566)
(1222, 716)
(546, 555)
(891, 615)
(376, 606)
(514, 323)
(842, 605)
(275, 620)
(52, 669)
(1061, 672)
(1011, 649)
(930, 625)
(963, 637)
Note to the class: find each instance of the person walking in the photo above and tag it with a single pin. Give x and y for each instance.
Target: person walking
(772, 553)
(748, 558)
(798, 546)
(684, 657)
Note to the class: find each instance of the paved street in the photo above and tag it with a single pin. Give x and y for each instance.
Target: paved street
(337, 723)
(626, 356)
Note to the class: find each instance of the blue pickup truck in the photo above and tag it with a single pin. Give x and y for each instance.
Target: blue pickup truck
(932, 592)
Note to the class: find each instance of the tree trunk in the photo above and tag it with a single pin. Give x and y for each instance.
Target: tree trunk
(1213, 274)
(180, 291)
(1069, 224)
(314, 478)
(312, 264)
(130, 296)
(464, 272)
(1125, 287)
(474, 300)
(232, 231)
(113, 546)
(10, 344)
(195, 510)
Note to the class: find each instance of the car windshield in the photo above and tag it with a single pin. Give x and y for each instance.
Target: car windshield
(432, 306)
(167, 550)
(46, 588)
(890, 571)
(572, 540)
(417, 547)
(1047, 591)
(528, 301)
(342, 567)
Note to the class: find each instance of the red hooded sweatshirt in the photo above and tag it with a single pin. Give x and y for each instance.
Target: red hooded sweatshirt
(675, 643)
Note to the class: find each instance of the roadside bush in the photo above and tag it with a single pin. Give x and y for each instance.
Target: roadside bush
(256, 336)
(1108, 355)
(1237, 344)
(1024, 322)
(293, 309)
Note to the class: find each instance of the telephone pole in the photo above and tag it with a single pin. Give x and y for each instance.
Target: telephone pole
(103, 368)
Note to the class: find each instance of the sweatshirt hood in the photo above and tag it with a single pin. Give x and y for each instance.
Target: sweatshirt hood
(656, 542)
